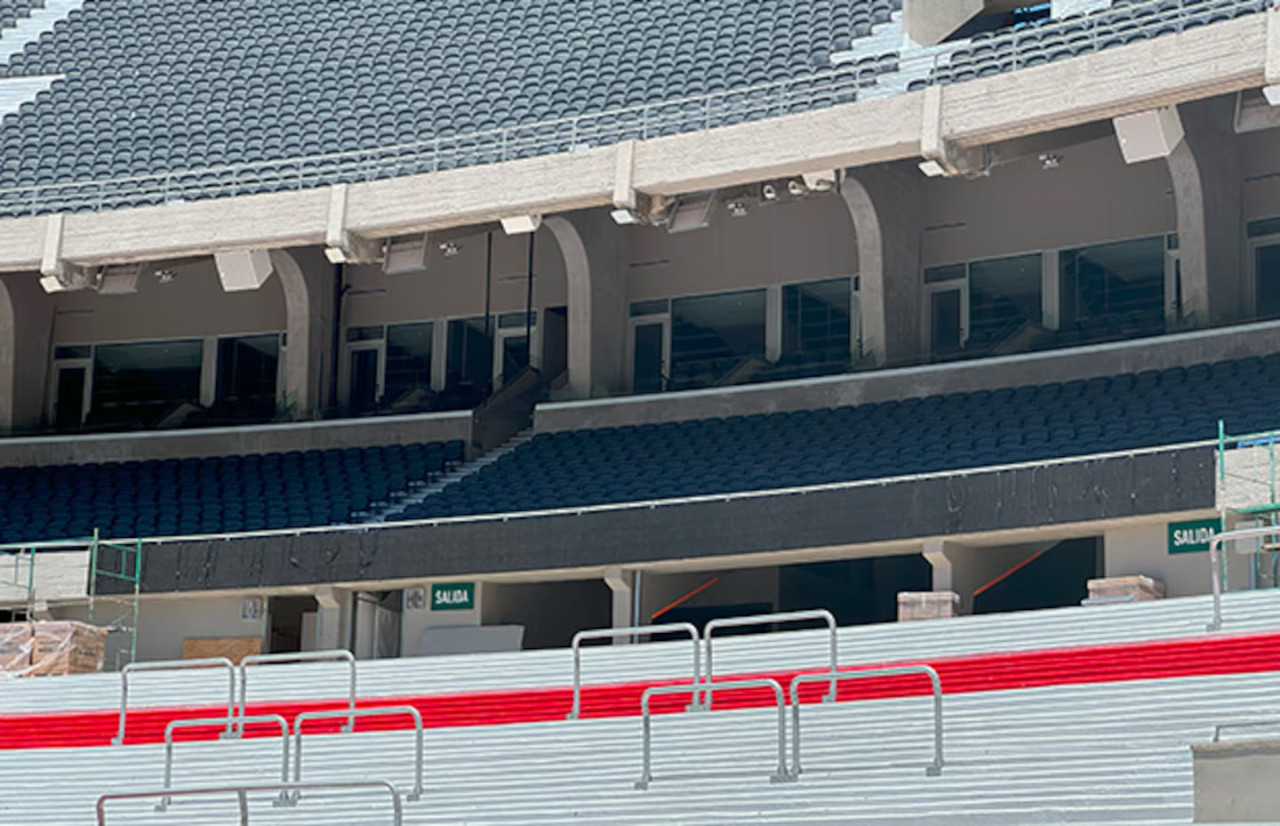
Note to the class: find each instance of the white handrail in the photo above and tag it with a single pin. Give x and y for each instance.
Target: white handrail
(177, 665)
(302, 657)
(780, 775)
(242, 795)
(768, 619)
(1217, 567)
(380, 711)
(934, 769)
(174, 725)
(611, 633)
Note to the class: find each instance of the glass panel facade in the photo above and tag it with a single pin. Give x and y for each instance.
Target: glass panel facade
(951, 272)
(469, 369)
(408, 367)
(1114, 290)
(815, 323)
(1004, 295)
(1267, 281)
(248, 367)
(137, 384)
(712, 334)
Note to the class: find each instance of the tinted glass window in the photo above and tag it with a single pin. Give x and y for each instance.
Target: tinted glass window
(139, 383)
(712, 334)
(248, 367)
(1115, 290)
(408, 360)
(1004, 295)
(815, 321)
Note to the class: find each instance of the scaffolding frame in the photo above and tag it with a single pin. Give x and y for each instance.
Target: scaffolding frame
(1249, 497)
(115, 612)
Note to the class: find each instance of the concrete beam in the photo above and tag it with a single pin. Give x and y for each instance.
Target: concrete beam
(308, 296)
(1203, 62)
(26, 327)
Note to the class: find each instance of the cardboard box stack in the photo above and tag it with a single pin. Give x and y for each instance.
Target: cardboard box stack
(35, 649)
(922, 605)
(1138, 588)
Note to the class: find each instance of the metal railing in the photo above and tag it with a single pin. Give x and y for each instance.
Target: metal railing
(206, 722)
(767, 619)
(382, 711)
(1221, 727)
(1217, 564)
(613, 633)
(780, 775)
(934, 769)
(242, 795)
(178, 665)
(302, 657)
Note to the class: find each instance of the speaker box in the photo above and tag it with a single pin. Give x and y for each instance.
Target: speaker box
(1145, 136)
(244, 270)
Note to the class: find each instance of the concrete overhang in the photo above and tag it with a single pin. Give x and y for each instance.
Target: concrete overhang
(1210, 60)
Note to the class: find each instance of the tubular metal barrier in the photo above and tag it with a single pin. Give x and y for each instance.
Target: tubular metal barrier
(1218, 568)
(780, 775)
(302, 657)
(934, 769)
(765, 619)
(242, 795)
(611, 633)
(177, 665)
(174, 725)
(1221, 727)
(382, 711)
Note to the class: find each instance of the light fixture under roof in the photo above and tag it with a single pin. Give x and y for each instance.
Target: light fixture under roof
(769, 192)
(450, 248)
(521, 224)
(624, 217)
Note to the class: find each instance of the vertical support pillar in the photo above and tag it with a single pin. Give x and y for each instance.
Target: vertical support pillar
(1207, 188)
(591, 244)
(26, 329)
(308, 296)
(621, 583)
(332, 619)
(773, 323)
(884, 202)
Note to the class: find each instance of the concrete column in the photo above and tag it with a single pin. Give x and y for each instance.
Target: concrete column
(332, 619)
(884, 202)
(26, 328)
(1207, 185)
(964, 569)
(621, 583)
(591, 244)
(308, 351)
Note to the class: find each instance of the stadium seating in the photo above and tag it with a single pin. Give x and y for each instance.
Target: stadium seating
(1089, 747)
(187, 86)
(211, 495)
(11, 11)
(1045, 41)
(897, 438)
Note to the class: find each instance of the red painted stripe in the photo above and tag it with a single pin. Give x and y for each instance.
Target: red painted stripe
(960, 675)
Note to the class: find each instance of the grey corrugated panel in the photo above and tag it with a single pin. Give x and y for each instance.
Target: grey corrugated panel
(1087, 754)
(1064, 627)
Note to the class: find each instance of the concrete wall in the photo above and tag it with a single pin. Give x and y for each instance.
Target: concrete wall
(227, 441)
(1234, 781)
(867, 388)
(193, 305)
(1092, 197)
(735, 587)
(455, 286)
(1144, 549)
(551, 612)
(803, 240)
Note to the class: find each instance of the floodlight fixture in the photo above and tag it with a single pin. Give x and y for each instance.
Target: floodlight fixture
(521, 224)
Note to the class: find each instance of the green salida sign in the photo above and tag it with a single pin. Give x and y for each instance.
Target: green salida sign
(1189, 537)
(453, 596)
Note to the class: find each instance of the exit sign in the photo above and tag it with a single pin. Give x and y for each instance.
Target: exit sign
(453, 596)
(1189, 537)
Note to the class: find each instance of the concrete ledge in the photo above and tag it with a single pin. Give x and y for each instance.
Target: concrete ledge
(228, 441)
(923, 605)
(885, 385)
(1235, 782)
(1135, 588)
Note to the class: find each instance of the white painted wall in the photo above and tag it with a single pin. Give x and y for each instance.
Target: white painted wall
(1143, 549)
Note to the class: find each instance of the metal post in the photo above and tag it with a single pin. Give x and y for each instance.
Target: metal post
(780, 775)
(611, 633)
(764, 619)
(933, 770)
